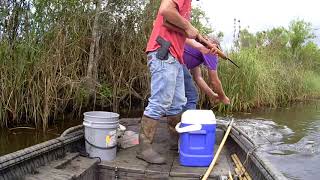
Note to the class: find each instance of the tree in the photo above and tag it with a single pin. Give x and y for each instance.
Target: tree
(247, 39)
(277, 38)
(94, 51)
(299, 33)
(200, 21)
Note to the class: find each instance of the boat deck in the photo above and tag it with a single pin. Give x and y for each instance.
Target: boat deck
(127, 163)
(127, 166)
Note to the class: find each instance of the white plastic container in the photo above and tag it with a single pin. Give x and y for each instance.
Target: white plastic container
(101, 134)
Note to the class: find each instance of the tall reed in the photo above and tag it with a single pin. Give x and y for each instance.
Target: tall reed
(266, 78)
(45, 48)
(43, 65)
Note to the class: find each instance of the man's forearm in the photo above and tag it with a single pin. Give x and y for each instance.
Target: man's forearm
(173, 27)
(216, 83)
(205, 42)
(204, 87)
(175, 18)
(196, 45)
(201, 83)
(217, 86)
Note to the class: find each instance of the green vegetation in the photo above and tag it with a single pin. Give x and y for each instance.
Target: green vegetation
(278, 66)
(60, 57)
(45, 52)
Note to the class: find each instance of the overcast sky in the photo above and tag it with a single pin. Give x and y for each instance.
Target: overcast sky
(259, 15)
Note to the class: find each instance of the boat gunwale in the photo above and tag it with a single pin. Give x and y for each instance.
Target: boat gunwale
(36, 151)
(74, 134)
(248, 146)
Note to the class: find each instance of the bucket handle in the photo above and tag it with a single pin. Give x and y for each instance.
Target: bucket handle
(193, 127)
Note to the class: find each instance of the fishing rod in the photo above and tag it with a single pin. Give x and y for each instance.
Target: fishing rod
(204, 43)
(219, 52)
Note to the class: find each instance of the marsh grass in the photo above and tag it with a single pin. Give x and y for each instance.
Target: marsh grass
(266, 79)
(43, 66)
(44, 53)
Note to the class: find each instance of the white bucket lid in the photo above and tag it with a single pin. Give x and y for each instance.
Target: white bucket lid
(198, 117)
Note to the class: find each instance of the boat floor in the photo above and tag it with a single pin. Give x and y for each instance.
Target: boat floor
(126, 160)
(127, 166)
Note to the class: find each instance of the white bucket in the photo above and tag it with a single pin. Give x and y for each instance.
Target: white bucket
(101, 134)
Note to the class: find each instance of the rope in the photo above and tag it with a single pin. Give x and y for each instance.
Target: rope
(86, 155)
(249, 153)
(98, 147)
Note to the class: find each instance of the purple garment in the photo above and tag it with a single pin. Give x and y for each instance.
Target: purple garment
(193, 58)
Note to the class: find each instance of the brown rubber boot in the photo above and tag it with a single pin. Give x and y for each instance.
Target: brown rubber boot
(146, 135)
(174, 135)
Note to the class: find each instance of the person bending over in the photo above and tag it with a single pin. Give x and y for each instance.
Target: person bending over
(193, 58)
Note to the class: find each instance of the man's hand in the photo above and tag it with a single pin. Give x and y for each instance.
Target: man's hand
(214, 98)
(213, 48)
(199, 46)
(191, 32)
(225, 100)
(205, 50)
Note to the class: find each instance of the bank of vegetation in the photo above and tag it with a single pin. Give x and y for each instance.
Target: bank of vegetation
(278, 66)
(59, 57)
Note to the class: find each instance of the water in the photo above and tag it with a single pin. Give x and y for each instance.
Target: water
(18, 138)
(289, 137)
(15, 139)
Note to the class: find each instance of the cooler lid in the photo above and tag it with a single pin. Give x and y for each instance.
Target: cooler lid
(198, 117)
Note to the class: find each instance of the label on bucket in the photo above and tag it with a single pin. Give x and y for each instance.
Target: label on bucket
(111, 139)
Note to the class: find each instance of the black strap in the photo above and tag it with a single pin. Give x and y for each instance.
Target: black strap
(98, 147)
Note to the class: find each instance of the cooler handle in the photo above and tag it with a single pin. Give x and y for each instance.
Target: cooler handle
(193, 127)
(198, 132)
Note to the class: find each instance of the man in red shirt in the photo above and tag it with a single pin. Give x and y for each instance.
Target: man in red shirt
(165, 58)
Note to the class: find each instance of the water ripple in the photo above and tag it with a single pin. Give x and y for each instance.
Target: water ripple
(272, 137)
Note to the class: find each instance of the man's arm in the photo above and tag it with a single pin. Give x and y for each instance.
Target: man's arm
(205, 42)
(174, 28)
(199, 46)
(201, 83)
(169, 10)
(217, 86)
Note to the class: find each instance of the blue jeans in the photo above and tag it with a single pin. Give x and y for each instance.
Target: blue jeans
(191, 90)
(167, 87)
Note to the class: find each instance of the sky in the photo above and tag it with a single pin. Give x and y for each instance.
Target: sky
(258, 15)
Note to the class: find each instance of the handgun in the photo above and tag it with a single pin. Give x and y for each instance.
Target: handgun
(163, 51)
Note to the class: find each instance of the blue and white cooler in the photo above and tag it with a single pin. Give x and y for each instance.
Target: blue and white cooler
(197, 137)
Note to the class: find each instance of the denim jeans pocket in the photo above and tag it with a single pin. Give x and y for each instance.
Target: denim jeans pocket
(154, 66)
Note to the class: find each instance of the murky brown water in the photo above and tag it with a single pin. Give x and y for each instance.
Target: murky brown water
(18, 138)
(15, 139)
(290, 137)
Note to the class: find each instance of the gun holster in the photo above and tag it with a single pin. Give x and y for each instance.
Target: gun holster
(163, 51)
